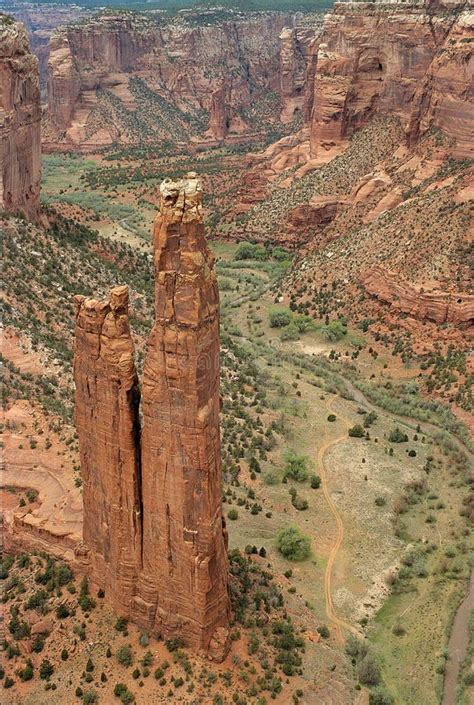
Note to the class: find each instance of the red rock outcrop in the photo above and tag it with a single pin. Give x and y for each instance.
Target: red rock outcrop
(320, 210)
(410, 60)
(153, 507)
(184, 540)
(20, 119)
(106, 416)
(437, 306)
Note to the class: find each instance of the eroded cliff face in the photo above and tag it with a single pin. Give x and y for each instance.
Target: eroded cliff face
(410, 60)
(153, 518)
(180, 78)
(106, 416)
(20, 119)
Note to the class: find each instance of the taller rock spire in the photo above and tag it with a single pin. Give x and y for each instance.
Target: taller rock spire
(161, 498)
(184, 546)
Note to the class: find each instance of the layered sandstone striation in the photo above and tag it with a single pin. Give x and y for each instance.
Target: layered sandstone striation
(413, 60)
(106, 416)
(20, 119)
(153, 506)
(438, 306)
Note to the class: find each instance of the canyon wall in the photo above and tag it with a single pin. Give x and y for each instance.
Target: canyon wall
(196, 77)
(153, 519)
(413, 60)
(20, 119)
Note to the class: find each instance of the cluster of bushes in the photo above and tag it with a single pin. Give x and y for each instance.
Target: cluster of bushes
(292, 325)
(293, 544)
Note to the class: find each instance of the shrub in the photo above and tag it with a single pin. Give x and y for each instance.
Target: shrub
(144, 639)
(64, 655)
(26, 673)
(315, 482)
(174, 644)
(46, 669)
(279, 319)
(233, 514)
(412, 453)
(332, 417)
(380, 696)
(293, 544)
(356, 431)
(397, 436)
(62, 611)
(369, 671)
(121, 624)
(295, 466)
(290, 332)
(334, 331)
(124, 655)
(90, 697)
(86, 602)
(323, 631)
(299, 503)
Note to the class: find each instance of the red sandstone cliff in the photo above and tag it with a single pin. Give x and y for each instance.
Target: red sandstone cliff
(410, 60)
(20, 118)
(107, 398)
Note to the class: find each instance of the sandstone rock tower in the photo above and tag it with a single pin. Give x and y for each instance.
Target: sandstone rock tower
(153, 512)
(184, 551)
(20, 120)
(107, 399)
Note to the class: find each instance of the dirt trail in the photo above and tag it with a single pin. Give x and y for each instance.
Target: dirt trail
(458, 645)
(339, 624)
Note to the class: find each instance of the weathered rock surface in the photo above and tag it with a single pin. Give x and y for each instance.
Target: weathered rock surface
(106, 415)
(153, 508)
(410, 60)
(20, 119)
(184, 541)
(437, 306)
